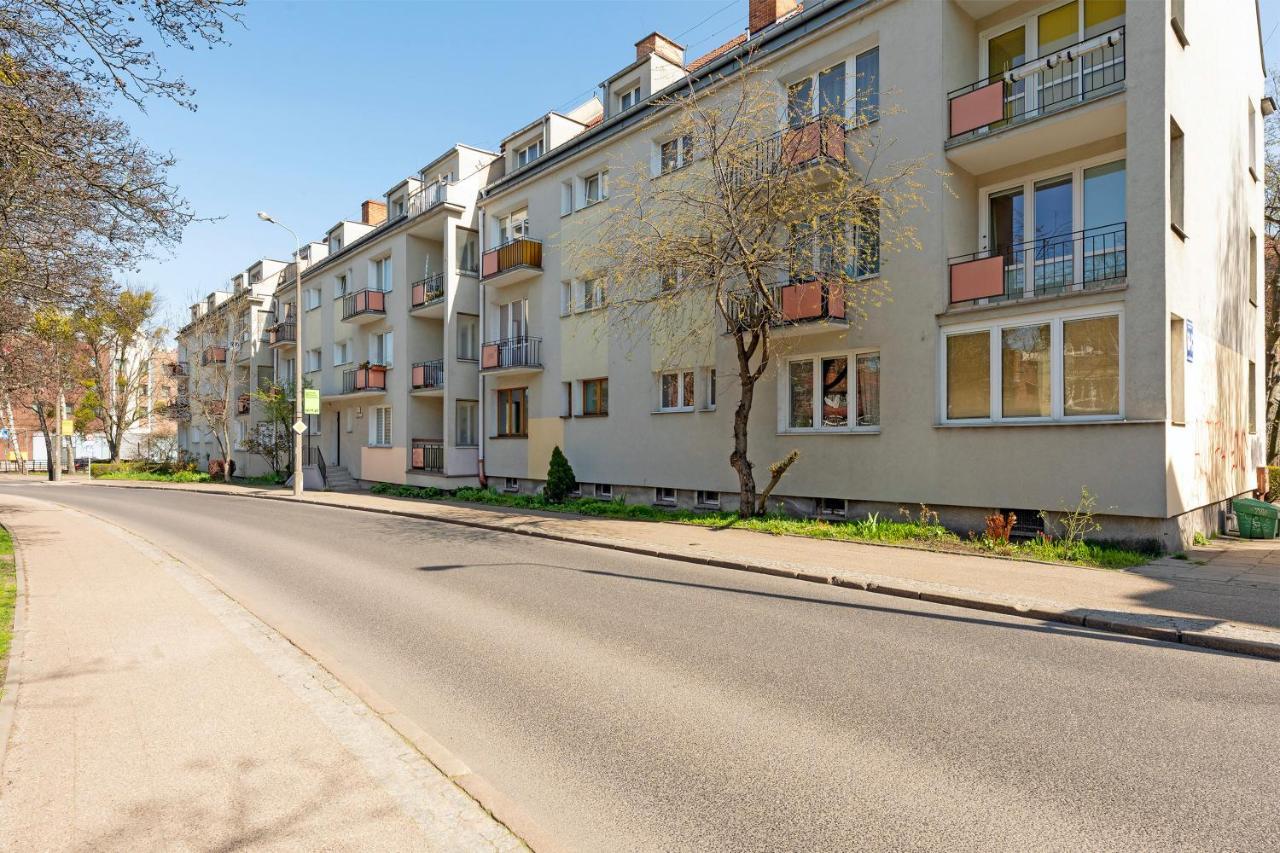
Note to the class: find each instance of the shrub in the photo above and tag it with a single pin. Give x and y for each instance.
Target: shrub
(999, 526)
(560, 478)
(1273, 483)
(216, 468)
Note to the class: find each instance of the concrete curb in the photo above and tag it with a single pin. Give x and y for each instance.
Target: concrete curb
(1172, 629)
(9, 701)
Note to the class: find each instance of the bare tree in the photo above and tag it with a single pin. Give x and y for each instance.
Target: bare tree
(1271, 276)
(51, 381)
(212, 381)
(743, 223)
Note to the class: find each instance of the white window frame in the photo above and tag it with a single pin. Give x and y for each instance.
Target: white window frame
(684, 155)
(663, 500)
(1054, 319)
(380, 421)
(311, 298)
(629, 98)
(704, 498)
(342, 352)
(526, 154)
(851, 106)
(384, 341)
(513, 225)
(381, 274)
(601, 177)
(603, 491)
(461, 430)
(568, 197)
(784, 393)
(680, 374)
(341, 284)
(314, 361)
(468, 332)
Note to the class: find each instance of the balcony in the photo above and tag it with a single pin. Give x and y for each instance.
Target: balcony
(365, 380)
(806, 305)
(1024, 106)
(427, 377)
(177, 369)
(213, 355)
(243, 404)
(512, 355)
(1073, 263)
(426, 297)
(364, 306)
(427, 454)
(283, 335)
(514, 260)
(820, 142)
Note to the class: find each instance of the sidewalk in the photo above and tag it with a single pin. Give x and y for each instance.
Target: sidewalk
(1224, 596)
(149, 711)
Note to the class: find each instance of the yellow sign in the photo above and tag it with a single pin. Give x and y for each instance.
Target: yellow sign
(311, 401)
(68, 427)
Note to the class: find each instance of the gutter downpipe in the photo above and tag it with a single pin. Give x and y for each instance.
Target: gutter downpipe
(481, 420)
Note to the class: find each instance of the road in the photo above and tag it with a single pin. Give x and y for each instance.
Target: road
(631, 703)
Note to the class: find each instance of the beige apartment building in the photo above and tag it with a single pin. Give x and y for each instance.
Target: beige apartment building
(1084, 311)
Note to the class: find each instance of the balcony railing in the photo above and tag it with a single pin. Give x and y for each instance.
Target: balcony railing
(213, 355)
(520, 252)
(1039, 87)
(427, 374)
(372, 378)
(427, 197)
(788, 304)
(426, 454)
(284, 333)
(364, 302)
(1085, 259)
(511, 352)
(819, 141)
(243, 402)
(426, 291)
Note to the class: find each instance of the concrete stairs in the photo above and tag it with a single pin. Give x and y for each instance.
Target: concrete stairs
(340, 479)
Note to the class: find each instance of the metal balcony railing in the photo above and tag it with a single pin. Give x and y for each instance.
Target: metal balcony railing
(788, 304)
(426, 291)
(243, 403)
(428, 196)
(213, 355)
(426, 454)
(1084, 259)
(1039, 87)
(364, 302)
(819, 141)
(520, 252)
(372, 378)
(284, 333)
(427, 374)
(523, 351)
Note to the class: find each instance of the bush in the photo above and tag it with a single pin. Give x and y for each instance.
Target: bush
(560, 478)
(216, 468)
(1273, 483)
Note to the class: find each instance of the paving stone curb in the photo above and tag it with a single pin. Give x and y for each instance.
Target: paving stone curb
(1189, 631)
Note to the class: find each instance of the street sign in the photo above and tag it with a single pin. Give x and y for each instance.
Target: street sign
(311, 401)
(299, 427)
(68, 427)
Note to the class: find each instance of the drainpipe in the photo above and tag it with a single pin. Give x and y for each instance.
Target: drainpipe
(480, 414)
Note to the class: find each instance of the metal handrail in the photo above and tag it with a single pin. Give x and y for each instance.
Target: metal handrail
(426, 454)
(427, 374)
(426, 290)
(1059, 263)
(522, 351)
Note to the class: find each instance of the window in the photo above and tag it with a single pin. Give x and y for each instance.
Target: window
(335, 245)
(629, 98)
(566, 399)
(664, 496)
(1053, 369)
(818, 392)
(604, 491)
(836, 90)
(708, 499)
(380, 277)
(590, 293)
(595, 187)
(341, 352)
(1177, 189)
(566, 198)
(676, 391)
(513, 226)
(675, 154)
(469, 253)
(595, 397)
(709, 394)
(566, 298)
(313, 360)
(528, 154)
(1253, 140)
(832, 507)
(467, 414)
(397, 207)
(512, 414)
(512, 318)
(1252, 393)
(1177, 370)
(340, 285)
(381, 347)
(867, 83)
(468, 337)
(1253, 268)
(380, 426)
(511, 484)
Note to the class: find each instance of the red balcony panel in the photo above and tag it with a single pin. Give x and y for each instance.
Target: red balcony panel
(489, 264)
(802, 301)
(370, 300)
(977, 279)
(978, 108)
(489, 356)
(371, 378)
(419, 377)
(419, 457)
(815, 140)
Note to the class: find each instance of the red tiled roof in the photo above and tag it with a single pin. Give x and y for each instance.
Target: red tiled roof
(718, 52)
(592, 122)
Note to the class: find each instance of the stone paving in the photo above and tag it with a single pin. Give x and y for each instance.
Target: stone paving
(150, 711)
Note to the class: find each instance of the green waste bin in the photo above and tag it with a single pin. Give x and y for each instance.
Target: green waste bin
(1256, 519)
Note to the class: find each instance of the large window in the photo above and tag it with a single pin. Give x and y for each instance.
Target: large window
(847, 89)
(821, 394)
(381, 275)
(1056, 368)
(380, 426)
(467, 415)
(676, 391)
(675, 154)
(819, 247)
(595, 397)
(468, 337)
(512, 414)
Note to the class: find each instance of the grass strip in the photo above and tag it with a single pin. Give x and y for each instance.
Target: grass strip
(8, 598)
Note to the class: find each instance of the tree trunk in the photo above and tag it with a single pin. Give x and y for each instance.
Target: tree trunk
(738, 458)
(13, 435)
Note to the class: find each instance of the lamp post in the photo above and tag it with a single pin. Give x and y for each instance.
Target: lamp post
(297, 355)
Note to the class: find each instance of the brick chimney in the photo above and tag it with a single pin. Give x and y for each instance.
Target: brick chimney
(661, 45)
(762, 13)
(373, 212)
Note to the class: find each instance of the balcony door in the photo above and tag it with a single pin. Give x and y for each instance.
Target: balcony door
(512, 319)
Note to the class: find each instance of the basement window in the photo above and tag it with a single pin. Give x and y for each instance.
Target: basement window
(512, 485)
(832, 507)
(665, 496)
(709, 499)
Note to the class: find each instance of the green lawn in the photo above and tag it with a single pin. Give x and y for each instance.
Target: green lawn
(8, 596)
(174, 477)
(922, 531)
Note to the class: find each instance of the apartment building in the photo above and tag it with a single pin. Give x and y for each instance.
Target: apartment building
(223, 358)
(1084, 311)
(390, 330)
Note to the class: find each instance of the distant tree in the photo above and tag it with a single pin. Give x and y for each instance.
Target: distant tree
(50, 380)
(272, 438)
(211, 381)
(560, 477)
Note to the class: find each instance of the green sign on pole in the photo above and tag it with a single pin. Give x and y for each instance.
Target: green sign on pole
(311, 401)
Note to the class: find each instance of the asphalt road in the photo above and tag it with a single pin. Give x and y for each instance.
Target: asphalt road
(630, 703)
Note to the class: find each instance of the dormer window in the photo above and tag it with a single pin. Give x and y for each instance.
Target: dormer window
(528, 154)
(335, 244)
(397, 207)
(629, 98)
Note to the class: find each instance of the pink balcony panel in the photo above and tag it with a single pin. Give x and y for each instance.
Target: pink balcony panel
(419, 376)
(835, 301)
(489, 263)
(802, 301)
(977, 279)
(977, 108)
(419, 458)
(489, 356)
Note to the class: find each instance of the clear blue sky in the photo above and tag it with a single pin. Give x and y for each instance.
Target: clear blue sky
(316, 106)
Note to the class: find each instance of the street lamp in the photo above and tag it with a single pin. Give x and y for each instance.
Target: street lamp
(297, 355)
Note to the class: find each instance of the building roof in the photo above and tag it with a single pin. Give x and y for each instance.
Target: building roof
(718, 52)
